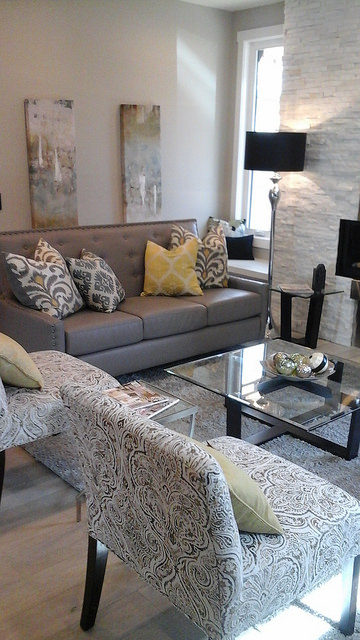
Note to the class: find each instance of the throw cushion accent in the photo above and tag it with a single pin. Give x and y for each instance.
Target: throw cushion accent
(240, 248)
(44, 286)
(171, 272)
(214, 223)
(96, 281)
(211, 263)
(46, 253)
(16, 366)
(251, 509)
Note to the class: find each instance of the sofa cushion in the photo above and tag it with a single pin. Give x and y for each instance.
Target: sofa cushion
(45, 286)
(17, 368)
(229, 305)
(163, 316)
(211, 262)
(171, 272)
(105, 330)
(96, 281)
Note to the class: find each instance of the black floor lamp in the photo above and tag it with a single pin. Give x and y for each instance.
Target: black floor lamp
(281, 151)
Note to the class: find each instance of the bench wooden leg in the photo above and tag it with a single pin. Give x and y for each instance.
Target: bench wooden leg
(350, 587)
(95, 572)
(78, 500)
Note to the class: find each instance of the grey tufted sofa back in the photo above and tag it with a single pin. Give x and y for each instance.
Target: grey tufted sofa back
(121, 245)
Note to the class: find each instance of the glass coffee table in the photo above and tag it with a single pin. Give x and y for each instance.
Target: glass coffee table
(285, 404)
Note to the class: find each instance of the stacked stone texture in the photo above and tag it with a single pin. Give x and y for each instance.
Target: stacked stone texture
(321, 95)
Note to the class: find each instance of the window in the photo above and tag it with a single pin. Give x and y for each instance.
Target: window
(257, 109)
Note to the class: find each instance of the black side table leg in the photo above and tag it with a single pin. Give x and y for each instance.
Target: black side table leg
(233, 418)
(285, 323)
(313, 321)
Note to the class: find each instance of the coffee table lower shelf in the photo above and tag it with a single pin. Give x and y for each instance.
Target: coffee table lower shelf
(276, 427)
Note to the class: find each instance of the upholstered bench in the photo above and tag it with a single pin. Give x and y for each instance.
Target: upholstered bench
(33, 414)
(167, 508)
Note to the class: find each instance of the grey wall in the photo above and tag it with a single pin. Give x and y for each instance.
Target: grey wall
(259, 17)
(102, 53)
(321, 95)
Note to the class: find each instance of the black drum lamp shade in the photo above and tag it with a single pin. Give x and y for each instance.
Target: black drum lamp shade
(280, 151)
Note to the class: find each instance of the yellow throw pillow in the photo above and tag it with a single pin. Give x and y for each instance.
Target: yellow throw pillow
(16, 366)
(171, 273)
(251, 509)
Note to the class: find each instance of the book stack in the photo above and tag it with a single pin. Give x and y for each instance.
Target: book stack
(146, 400)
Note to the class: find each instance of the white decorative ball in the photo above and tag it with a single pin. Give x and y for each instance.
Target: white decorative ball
(318, 362)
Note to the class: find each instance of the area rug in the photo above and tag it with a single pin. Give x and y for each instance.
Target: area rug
(57, 452)
(210, 422)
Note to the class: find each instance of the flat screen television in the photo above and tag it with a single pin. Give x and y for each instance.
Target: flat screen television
(348, 255)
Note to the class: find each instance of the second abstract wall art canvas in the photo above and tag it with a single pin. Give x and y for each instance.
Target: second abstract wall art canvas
(140, 162)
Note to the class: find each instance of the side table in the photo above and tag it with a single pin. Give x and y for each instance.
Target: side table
(316, 300)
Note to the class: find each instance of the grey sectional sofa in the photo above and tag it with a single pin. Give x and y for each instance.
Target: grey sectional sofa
(143, 331)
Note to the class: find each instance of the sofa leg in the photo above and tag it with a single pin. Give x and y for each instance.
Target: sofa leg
(350, 576)
(95, 572)
(2, 471)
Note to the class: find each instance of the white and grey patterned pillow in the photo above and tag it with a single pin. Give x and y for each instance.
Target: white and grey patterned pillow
(211, 263)
(44, 286)
(46, 253)
(96, 281)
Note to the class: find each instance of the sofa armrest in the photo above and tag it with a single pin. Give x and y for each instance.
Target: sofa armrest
(262, 288)
(34, 330)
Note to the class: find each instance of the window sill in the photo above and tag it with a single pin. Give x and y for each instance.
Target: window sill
(253, 269)
(261, 242)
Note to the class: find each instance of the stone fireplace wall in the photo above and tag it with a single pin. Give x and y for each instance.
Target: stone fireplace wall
(321, 95)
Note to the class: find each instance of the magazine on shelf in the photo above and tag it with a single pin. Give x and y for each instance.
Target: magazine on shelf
(296, 289)
(137, 395)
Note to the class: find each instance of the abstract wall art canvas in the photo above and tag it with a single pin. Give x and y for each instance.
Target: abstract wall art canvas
(140, 162)
(50, 137)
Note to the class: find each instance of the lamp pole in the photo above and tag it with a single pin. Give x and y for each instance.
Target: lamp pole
(274, 197)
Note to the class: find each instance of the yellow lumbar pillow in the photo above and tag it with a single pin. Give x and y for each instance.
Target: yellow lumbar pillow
(251, 509)
(171, 272)
(16, 366)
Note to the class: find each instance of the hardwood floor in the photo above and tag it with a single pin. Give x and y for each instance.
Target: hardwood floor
(43, 556)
